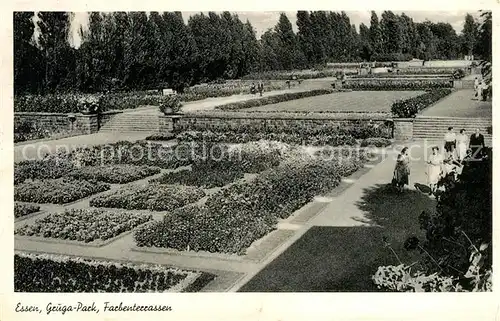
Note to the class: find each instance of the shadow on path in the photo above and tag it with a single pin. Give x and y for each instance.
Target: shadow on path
(343, 259)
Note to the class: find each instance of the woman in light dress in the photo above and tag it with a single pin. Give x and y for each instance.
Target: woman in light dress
(434, 169)
(402, 170)
(461, 145)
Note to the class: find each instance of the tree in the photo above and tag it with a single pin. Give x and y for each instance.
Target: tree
(59, 57)
(28, 75)
(375, 34)
(392, 33)
(365, 47)
(484, 43)
(270, 44)
(469, 35)
(306, 36)
(289, 51)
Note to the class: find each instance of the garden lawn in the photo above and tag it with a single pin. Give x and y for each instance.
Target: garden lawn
(361, 101)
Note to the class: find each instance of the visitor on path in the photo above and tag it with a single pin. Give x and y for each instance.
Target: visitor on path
(476, 84)
(449, 142)
(461, 145)
(261, 88)
(484, 91)
(402, 170)
(434, 169)
(252, 89)
(476, 144)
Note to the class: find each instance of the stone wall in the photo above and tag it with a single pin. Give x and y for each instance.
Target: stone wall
(72, 124)
(403, 128)
(220, 121)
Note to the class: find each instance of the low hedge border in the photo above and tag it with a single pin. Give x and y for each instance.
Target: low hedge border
(410, 107)
(279, 115)
(273, 99)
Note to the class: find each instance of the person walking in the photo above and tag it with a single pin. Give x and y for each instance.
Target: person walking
(261, 87)
(402, 170)
(449, 142)
(461, 145)
(476, 85)
(434, 169)
(476, 144)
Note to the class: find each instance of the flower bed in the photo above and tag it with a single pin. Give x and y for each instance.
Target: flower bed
(72, 275)
(403, 76)
(83, 225)
(23, 209)
(57, 191)
(412, 106)
(375, 142)
(199, 176)
(140, 153)
(397, 84)
(289, 138)
(233, 218)
(41, 169)
(301, 74)
(154, 197)
(272, 99)
(115, 174)
(161, 137)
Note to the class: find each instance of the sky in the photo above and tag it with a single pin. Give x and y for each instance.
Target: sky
(263, 20)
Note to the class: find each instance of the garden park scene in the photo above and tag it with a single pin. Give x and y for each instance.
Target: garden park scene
(174, 153)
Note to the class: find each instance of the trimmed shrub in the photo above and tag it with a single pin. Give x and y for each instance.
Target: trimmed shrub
(412, 106)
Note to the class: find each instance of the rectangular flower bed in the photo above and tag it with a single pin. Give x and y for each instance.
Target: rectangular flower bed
(57, 191)
(234, 217)
(57, 273)
(397, 84)
(410, 107)
(155, 197)
(41, 169)
(116, 174)
(23, 209)
(84, 225)
(272, 99)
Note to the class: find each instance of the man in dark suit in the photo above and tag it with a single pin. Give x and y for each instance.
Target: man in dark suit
(476, 144)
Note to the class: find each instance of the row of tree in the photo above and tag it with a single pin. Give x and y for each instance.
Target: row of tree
(134, 50)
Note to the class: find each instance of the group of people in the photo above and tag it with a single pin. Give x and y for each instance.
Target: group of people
(259, 87)
(458, 150)
(480, 89)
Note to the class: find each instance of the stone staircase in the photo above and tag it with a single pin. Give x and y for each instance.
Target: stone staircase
(132, 122)
(434, 128)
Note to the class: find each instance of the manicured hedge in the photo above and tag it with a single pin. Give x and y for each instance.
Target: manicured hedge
(84, 225)
(154, 197)
(57, 191)
(55, 273)
(397, 84)
(233, 218)
(115, 174)
(23, 209)
(273, 99)
(412, 106)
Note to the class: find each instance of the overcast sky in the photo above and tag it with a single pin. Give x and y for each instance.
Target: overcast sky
(263, 20)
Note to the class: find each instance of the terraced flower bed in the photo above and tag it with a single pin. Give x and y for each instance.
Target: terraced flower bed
(41, 169)
(203, 175)
(84, 225)
(51, 273)
(115, 174)
(154, 197)
(23, 209)
(397, 84)
(57, 191)
(233, 218)
(410, 107)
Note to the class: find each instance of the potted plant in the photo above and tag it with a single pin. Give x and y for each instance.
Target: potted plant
(170, 105)
(89, 104)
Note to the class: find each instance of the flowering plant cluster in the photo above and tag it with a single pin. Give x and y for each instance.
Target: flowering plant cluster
(397, 84)
(70, 274)
(154, 197)
(57, 191)
(236, 216)
(23, 209)
(412, 106)
(84, 225)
